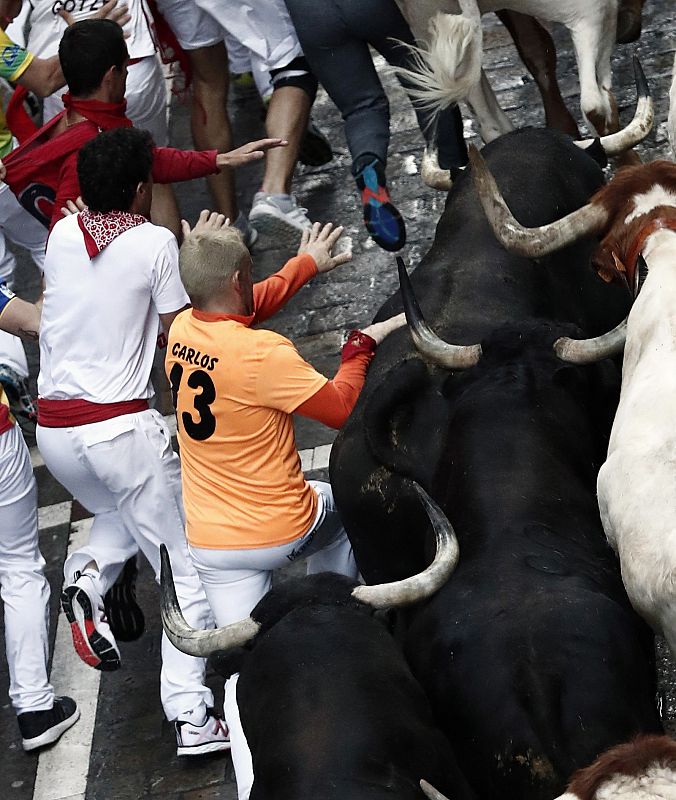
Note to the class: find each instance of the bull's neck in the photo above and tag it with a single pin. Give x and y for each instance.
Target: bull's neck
(651, 330)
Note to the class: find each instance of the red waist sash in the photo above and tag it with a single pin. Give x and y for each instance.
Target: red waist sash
(71, 413)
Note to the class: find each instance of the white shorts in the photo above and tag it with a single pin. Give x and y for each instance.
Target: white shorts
(192, 26)
(264, 27)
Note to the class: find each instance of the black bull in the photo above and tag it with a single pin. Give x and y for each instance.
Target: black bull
(531, 655)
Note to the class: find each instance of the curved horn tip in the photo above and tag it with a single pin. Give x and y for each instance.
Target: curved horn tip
(642, 87)
(430, 791)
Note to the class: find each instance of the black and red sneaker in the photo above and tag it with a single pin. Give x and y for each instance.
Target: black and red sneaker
(383, 221)
(123, 612)
(92, 638)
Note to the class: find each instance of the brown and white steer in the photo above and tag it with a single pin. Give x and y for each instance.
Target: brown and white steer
(643, 769)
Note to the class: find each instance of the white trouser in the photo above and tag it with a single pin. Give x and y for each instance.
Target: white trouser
(23, 586)
(235, 581)
(125, 472)
(146, 98)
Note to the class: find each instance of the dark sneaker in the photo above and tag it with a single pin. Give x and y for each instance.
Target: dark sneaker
(315, 149)
(39, 728)
(382, 220)
(92, 638)
(124, 614)
(196, 740)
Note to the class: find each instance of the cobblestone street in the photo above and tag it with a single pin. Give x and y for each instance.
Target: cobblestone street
(133, 752)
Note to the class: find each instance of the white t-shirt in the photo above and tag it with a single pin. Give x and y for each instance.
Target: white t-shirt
(100, 318)
(47, 27)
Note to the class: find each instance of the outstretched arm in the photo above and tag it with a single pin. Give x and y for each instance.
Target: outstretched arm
(17, 316)
(171, 164)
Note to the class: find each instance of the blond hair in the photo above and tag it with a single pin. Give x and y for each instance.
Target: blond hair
(208, 260)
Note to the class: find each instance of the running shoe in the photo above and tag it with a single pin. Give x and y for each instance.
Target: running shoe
(383, 221)
(123, 613)
(40, 728)
(315, 149)
(85, 611)
(196, 740)
(279, 217)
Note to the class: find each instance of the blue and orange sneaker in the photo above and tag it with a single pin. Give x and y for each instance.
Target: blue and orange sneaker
(383, 222)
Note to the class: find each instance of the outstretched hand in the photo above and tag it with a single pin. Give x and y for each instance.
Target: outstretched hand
(208, 221)
(318, 242)
(253, 151)
(379, 330)
(109, 10)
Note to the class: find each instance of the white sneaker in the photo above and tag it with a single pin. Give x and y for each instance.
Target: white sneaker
(279, 217)
(92, 637)
(195, 740)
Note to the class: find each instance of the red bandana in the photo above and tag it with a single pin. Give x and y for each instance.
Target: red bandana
(100, 230)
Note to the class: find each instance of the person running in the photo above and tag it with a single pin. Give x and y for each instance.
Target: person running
(336, 36)
(42, 172)
(42, 716)
(96, 431)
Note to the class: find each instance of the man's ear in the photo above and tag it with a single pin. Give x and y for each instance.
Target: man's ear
(237, 280)
(108, 75)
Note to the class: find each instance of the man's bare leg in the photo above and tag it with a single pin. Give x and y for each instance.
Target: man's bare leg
(287, 118)
(275, 211)
(211, 129)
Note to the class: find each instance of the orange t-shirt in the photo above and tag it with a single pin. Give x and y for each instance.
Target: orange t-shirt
(235, 389)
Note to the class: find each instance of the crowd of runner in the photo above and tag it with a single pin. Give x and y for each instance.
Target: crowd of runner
(88, 192)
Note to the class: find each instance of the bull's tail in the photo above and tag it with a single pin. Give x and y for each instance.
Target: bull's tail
(447, 70)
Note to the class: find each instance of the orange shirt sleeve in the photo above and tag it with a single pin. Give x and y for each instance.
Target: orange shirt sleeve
(334, 402)
(272, 293)
(286, 380)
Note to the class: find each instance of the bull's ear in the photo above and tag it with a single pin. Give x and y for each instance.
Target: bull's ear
(596, 151)
(609, 266)
(228, 662)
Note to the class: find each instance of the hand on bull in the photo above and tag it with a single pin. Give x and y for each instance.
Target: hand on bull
(379, 330)
(318, 242)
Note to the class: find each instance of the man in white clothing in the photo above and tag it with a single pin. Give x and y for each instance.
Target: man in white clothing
(42, 717)
(95, 430)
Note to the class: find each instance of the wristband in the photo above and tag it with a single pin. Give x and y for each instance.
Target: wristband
(357, 342)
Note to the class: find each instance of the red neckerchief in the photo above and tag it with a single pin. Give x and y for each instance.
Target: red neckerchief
(99, 230)
(632, 254)
(104, 115)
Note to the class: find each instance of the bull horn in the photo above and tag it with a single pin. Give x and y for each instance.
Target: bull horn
(432, 174)
(431, 792)
(190, 640)
(434, 349)
(616, 143)
(531, 242)
(426, 583)
(589, 351)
